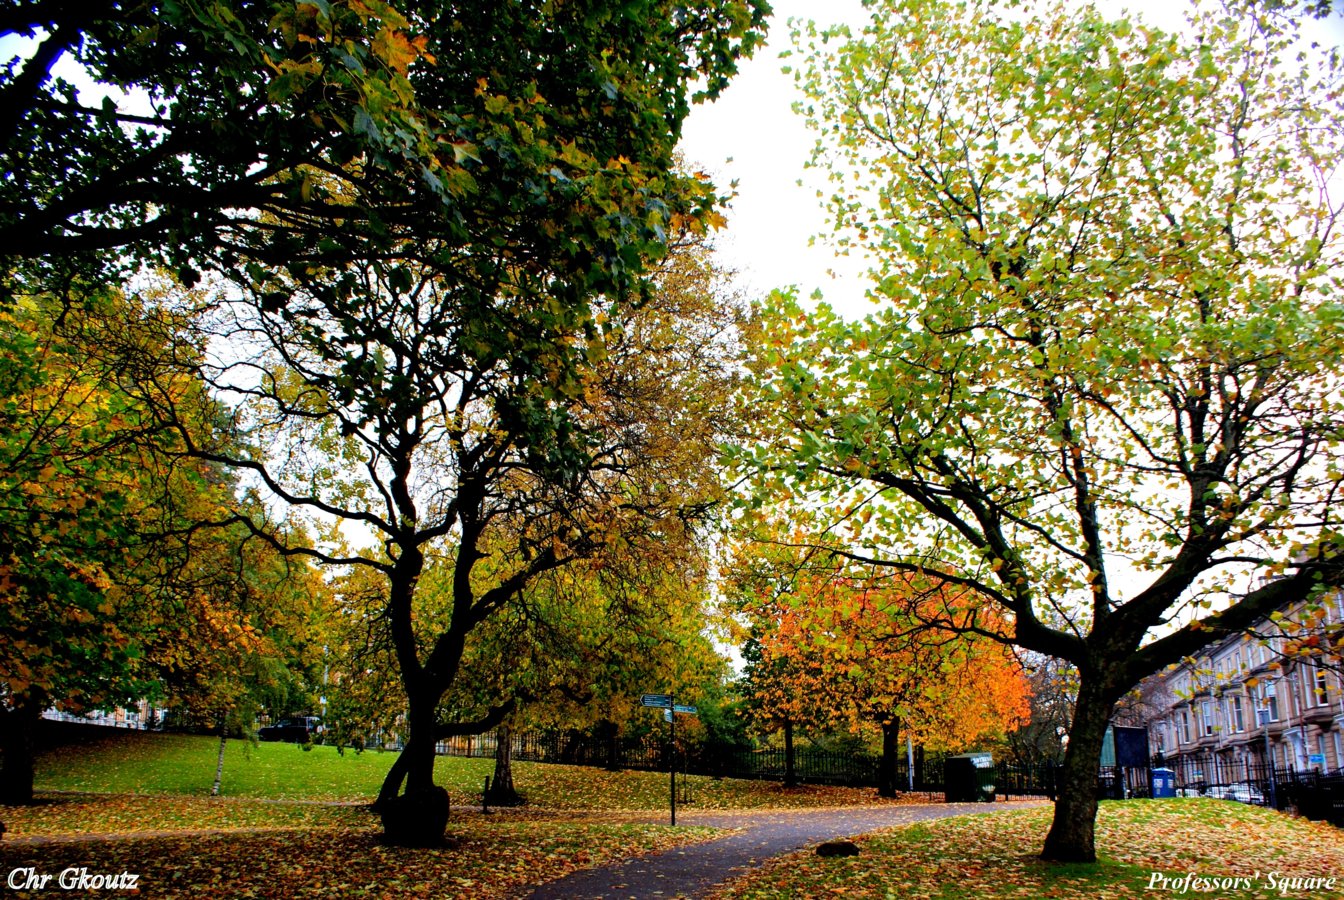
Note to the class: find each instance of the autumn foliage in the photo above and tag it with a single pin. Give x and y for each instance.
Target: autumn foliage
(853, 655)
(1099, 384)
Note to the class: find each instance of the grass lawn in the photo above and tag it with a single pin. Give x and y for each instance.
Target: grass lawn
(994, 856)
(147, 763)
(277, 833)
(270, 842)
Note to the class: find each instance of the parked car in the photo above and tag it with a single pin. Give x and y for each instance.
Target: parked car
(1241, 792)
(295, 730)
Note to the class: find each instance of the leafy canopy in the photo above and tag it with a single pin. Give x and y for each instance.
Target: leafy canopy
(222, 136)
(1104, 370)
(1101, 388)
(836, 651)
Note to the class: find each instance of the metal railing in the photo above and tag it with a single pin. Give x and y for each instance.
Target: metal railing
(115, 719)
(1252, 781)
(810, 766)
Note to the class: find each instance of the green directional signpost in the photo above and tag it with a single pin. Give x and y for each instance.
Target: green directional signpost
(670, 712)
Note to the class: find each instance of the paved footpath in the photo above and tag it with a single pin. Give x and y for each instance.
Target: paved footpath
(690, 872)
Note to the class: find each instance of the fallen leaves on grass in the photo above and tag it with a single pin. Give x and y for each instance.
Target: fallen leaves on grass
(494, 859)
(573, 787)
(67, 814)
(989, 857)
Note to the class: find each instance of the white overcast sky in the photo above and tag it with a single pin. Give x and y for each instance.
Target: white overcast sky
(752, 136)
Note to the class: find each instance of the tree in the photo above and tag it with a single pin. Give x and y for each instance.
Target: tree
(1100, 392)
(201, 115)
(765, 678)
(856, 655)
(92, 531)
(247, 633)
(226, 137)
(573, 650)
(760, 580)
(497, 429)
(364, 702)
(1053, 685)
(587, 640)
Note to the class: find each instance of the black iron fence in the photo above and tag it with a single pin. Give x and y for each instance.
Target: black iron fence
(1123, 782)
(1217, 775)
(1316, 796)
(810, 765)
(1312, 794)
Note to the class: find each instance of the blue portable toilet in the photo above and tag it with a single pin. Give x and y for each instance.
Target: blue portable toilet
(1163, 783)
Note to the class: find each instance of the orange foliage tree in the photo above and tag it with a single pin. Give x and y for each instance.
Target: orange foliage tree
(833, 652)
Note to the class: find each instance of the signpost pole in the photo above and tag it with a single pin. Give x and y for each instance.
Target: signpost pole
(668, 704)
(672, 760)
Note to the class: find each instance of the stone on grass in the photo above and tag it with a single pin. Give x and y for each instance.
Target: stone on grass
(838, 848)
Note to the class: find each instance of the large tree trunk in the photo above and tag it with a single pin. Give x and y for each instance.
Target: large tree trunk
(18, 732)
(887, 785)
(419, 817)
(1072, 836)
(502, 792)
(790, 767)
(392, 783)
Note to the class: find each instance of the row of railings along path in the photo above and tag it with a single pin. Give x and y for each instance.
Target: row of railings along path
(810, 765)
(1312, 794)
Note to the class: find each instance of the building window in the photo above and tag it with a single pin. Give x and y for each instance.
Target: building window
(1270, 697)
(1185, 726)
(1206, 711)
(1238, 715)
(1320, 692)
